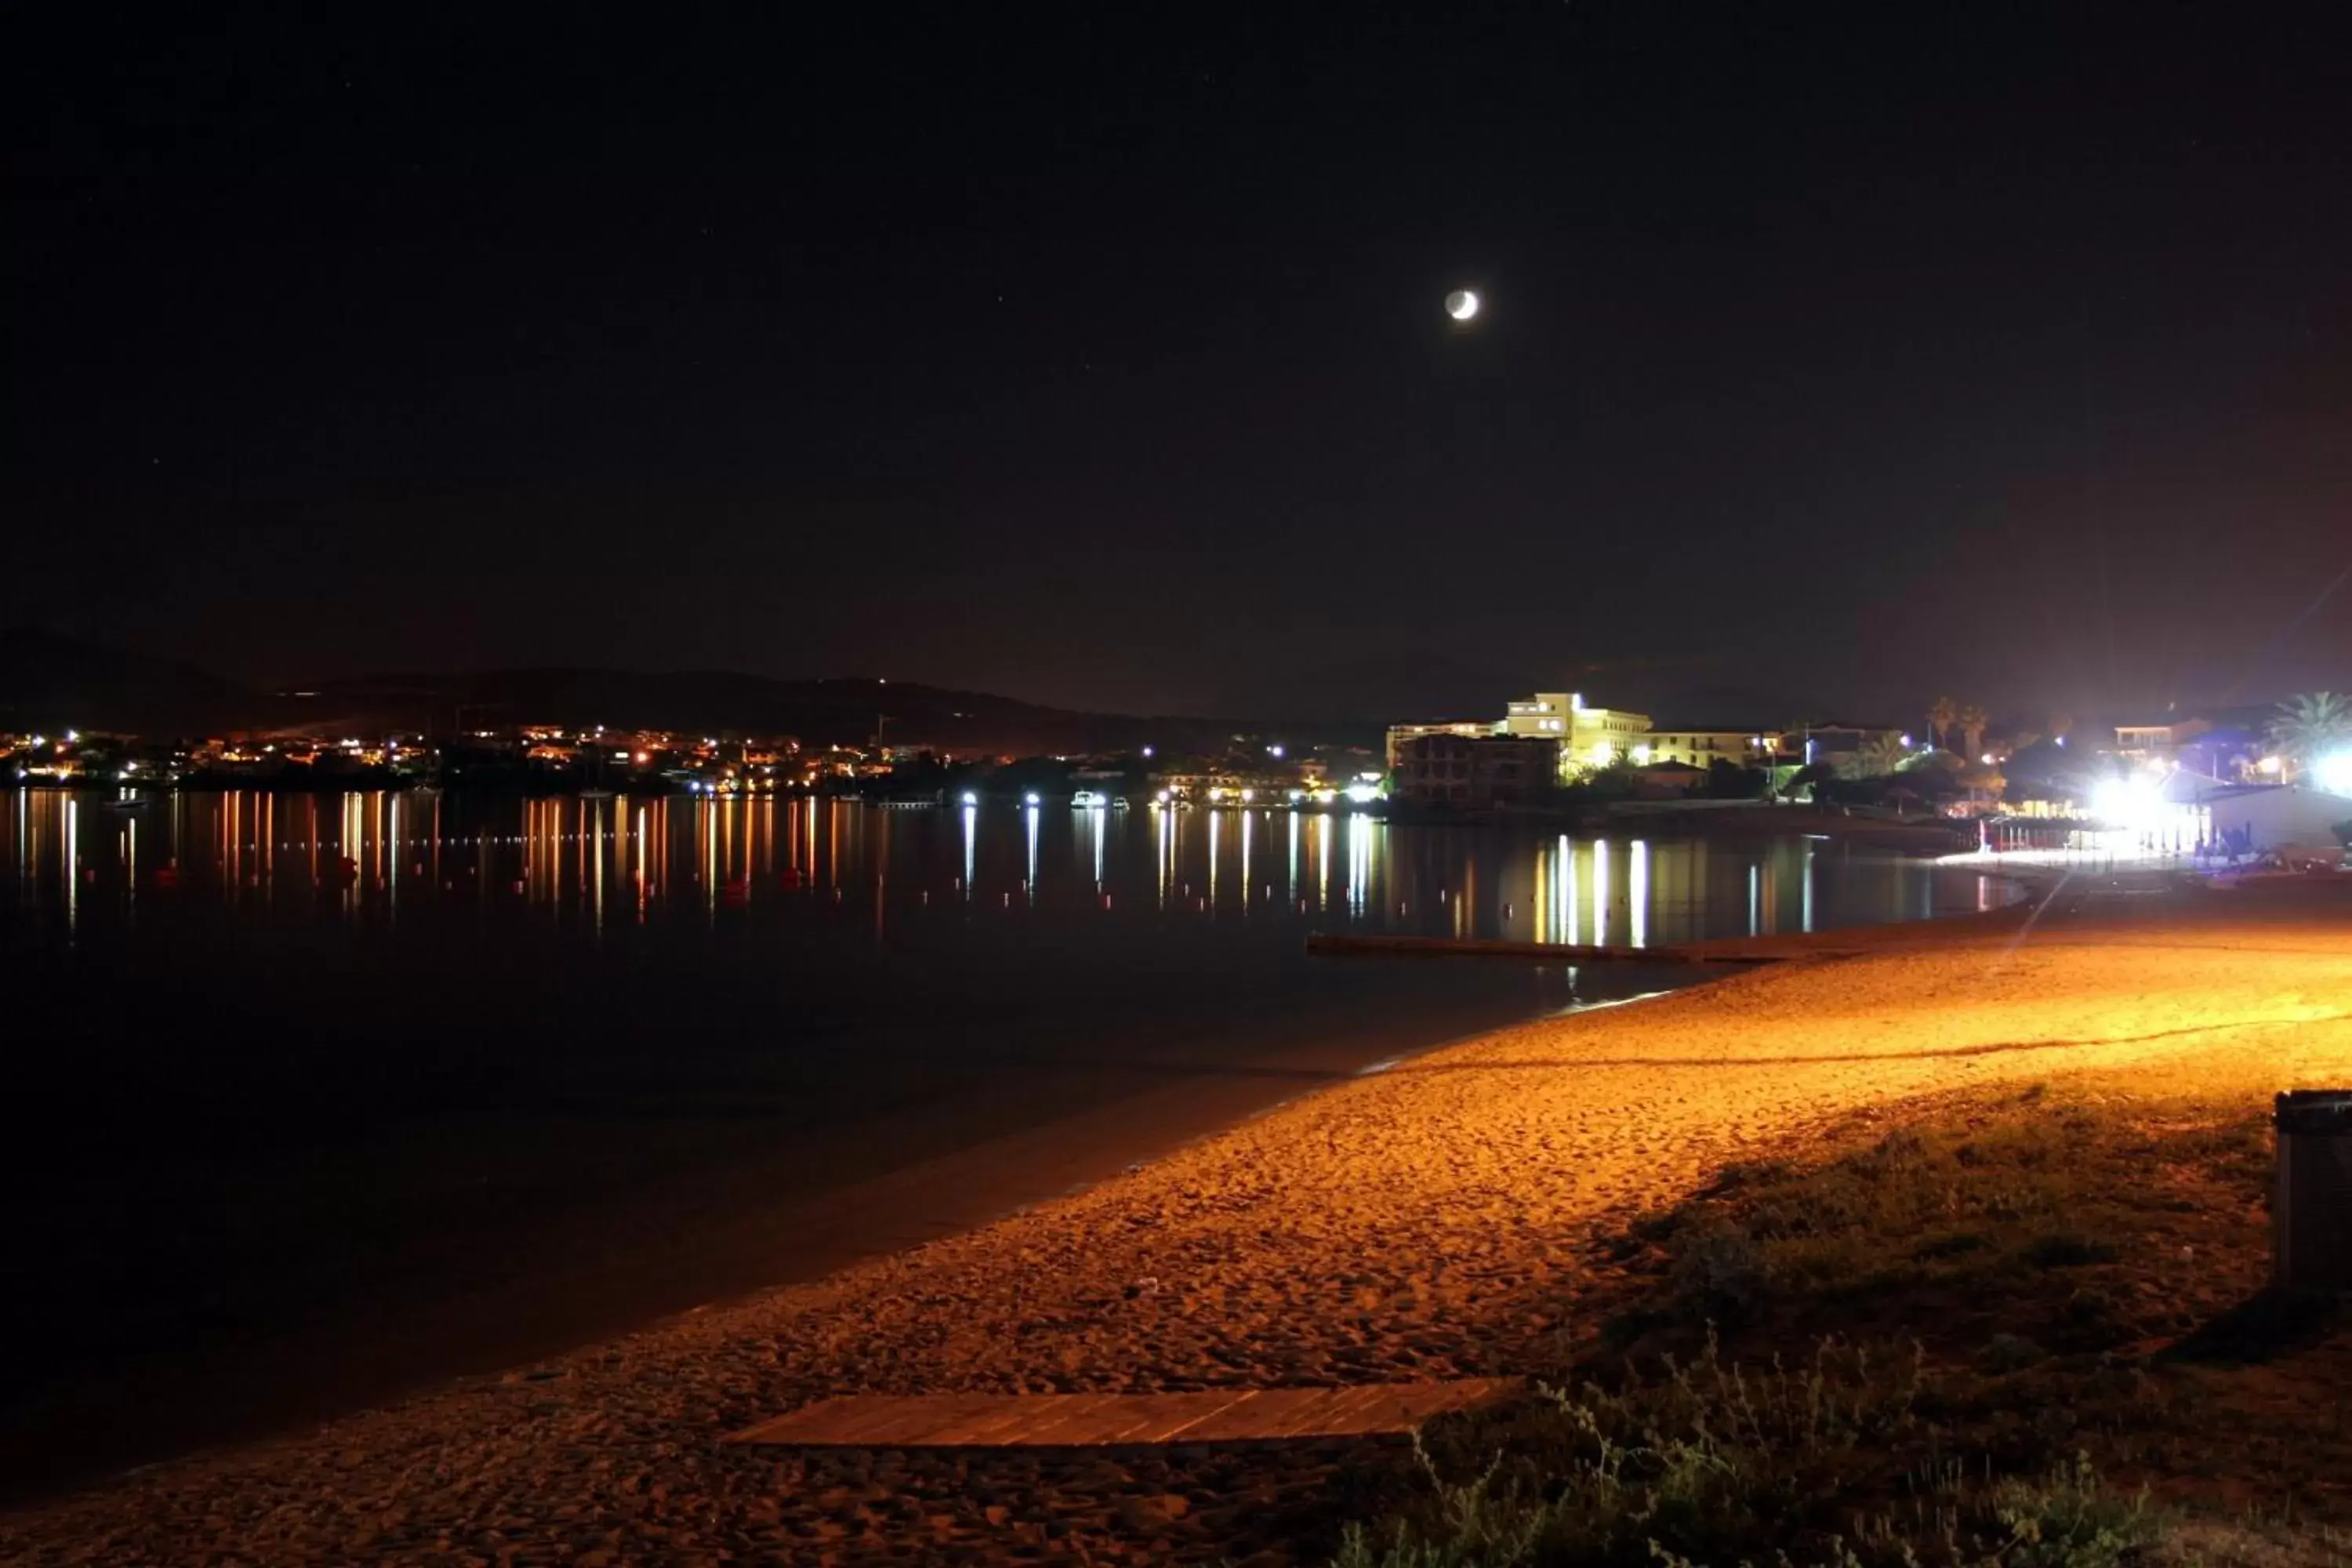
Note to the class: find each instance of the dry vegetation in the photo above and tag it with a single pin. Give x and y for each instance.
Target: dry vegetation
(2022, 1328)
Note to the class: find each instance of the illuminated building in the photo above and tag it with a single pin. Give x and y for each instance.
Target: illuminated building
(1588, 737)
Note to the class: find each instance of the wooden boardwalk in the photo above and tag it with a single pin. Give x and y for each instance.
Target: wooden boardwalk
(1100, 1420)
(1341, 942)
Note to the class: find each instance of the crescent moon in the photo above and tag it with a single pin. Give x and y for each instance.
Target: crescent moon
(1462, 304)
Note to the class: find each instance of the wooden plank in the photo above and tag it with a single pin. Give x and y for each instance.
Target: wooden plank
(1070, 1418)
(1340, 943)
(930, 1422)
(1298, 1413)
(1094, 1420)
(1152, 1424)
(1006, 1417)
(1232, 1410)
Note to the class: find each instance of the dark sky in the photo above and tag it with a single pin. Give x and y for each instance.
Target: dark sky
(1093, 354)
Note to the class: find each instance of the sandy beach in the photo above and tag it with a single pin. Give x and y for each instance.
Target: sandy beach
(1431, 1220)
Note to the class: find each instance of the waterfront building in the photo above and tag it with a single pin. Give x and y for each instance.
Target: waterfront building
(1400, 733)
(1475, 772)
(1704, 745)
(1588, 737)
(1671, 780)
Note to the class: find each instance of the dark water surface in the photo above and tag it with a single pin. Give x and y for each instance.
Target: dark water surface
(314, 1098)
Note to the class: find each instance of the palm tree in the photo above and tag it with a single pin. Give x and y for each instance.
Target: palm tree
(1972, 729)
(2308, 727)
(1940, 714)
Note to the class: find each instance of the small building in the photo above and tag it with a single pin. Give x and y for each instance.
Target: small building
(1475, 772)
(2257, 817)
(1703, 745)
(2157, 740)
(1671, 781)
(1827, 742)
(1400, 733)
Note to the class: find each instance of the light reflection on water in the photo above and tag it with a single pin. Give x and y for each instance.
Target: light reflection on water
(82, 864)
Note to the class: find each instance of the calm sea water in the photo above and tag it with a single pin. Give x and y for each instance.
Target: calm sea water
(316, 1096)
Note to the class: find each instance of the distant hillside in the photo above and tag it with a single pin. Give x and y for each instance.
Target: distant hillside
(49, 682)
(822, 711)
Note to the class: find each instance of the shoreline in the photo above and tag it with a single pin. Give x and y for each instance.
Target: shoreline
(748, 1248)
(1214, 1264)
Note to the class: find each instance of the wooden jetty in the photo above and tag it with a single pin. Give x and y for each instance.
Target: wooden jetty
(1121, 1420)
(1340, 943)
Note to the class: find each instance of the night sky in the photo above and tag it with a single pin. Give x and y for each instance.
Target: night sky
(1095, 354)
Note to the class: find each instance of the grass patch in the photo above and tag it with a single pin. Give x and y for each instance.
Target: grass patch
(2013, 1331)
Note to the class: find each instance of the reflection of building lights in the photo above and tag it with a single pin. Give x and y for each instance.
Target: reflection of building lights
(2334, 772)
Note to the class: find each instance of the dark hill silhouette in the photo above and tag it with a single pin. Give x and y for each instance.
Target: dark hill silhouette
(52, 681)
(820, 712)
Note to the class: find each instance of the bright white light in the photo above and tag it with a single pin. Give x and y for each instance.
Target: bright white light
(1298, 794)
(1907, 740)
(72, 736)
(1146, 751)
(1029, 799)
(1641, 755)
(2270, 764)
(2334, 772)
(1248, 795)
(1363, 793)
(1462, 304)
(2135, 802)
(1161, 797)
(1274, 750)
(1985, 759)
(969, 798)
